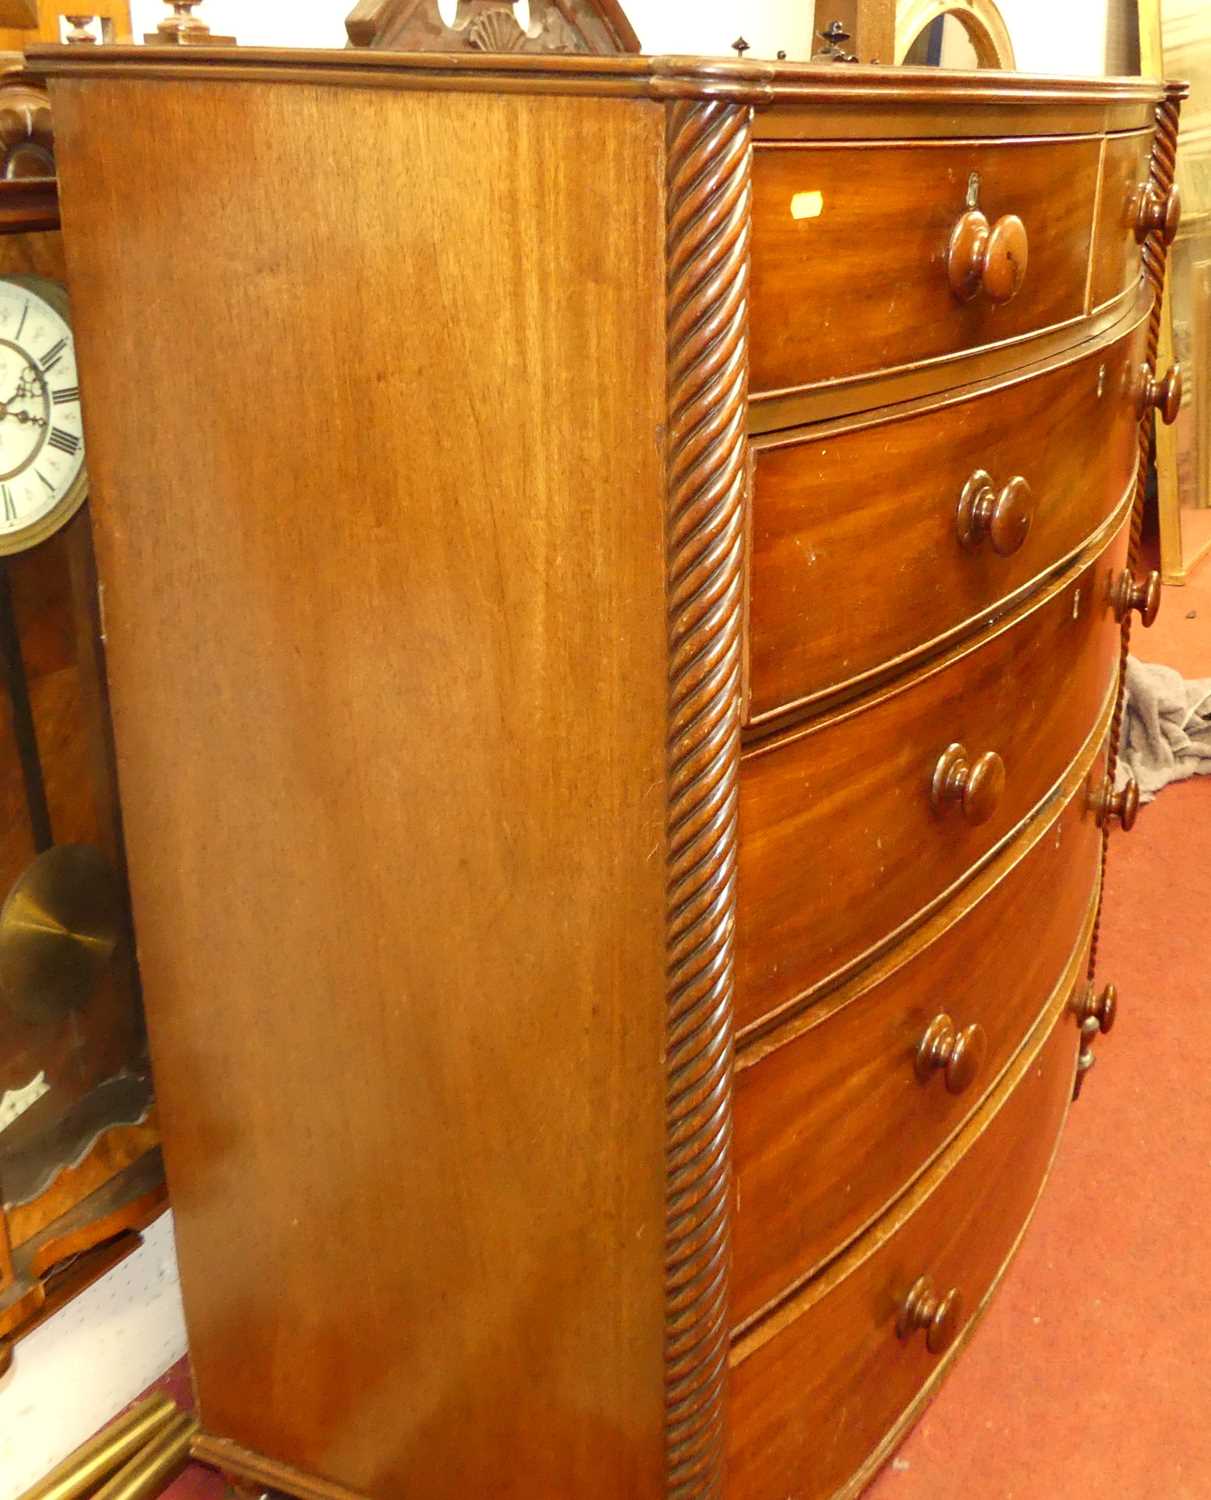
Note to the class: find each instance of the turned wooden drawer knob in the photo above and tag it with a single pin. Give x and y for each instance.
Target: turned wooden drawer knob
(976, 785)
(1157, 212)
(1088, 1006)
(1163, 395)
(940, 1317)
(1000, 517)
(1105, 803)
(959, 1055)
(984, 258)
(1143, 594)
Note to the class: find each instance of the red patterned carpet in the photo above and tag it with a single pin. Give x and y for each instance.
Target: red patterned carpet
(1090, 1374)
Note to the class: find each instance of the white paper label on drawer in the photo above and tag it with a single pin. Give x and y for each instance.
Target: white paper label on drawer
(807, 205)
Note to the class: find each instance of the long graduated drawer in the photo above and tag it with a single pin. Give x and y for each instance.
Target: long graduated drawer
(858, 263)
(836, 1120)
(820, 1387)
(877, 539)
(853, 826)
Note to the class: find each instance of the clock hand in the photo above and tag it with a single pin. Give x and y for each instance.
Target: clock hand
(27, 387)
(24, 417)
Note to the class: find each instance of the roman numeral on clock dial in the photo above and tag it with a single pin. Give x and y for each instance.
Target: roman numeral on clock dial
(43, 449)
(53, 355)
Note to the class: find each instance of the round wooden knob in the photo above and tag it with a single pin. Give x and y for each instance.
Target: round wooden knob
(976, 785)
(1165, 394)
(940, 1317)
(959, 1055)
(1158, 213)
(986, 259)
(1103, 1008)
(1107, 804)
(1002, 516)
(1142, 594)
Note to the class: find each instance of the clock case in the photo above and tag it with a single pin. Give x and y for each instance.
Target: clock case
(80, 1169)
(54, 293)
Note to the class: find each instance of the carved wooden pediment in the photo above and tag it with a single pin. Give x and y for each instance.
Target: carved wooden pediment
(585, 26)
(27, 144)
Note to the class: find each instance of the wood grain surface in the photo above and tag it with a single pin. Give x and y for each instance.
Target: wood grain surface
(1116, 261)
(813, 99)
(388, 661)
(840, 845)
(815, 1389)
(855, 561)
(863, 285)
(833, 1124)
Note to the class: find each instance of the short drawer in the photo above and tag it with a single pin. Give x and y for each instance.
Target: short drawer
(1117, 261)
(819, 1387)
(883, 539)
(860, 262)
(840, 1117)
(849, 828)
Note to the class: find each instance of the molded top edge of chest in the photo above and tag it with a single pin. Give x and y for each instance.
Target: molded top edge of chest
(791, 100)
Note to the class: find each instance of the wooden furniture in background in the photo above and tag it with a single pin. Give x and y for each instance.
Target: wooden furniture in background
(869, 27)
(80, 1171)
(617, 859)
(492, 26)
(182, 28)
(980, 20)
(31, 21)
(1183, 45)
(890, 30)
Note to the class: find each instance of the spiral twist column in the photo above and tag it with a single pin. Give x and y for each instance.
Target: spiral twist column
(709, 156)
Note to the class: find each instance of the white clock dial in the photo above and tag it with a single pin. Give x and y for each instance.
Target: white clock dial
(41, 433)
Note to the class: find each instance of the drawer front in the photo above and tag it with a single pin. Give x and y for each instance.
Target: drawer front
(860, 556)
(1117, 261)
(812, 1402)
(840, 840)
(833, 1124)
(851, 251)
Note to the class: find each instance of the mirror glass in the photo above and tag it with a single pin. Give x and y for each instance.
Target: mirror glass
(944, 43)
(1185, 450)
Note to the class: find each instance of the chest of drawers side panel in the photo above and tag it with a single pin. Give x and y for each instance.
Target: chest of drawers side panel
(386, 604)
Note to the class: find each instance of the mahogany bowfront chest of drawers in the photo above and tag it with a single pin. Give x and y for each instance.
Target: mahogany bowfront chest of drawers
(615, 624)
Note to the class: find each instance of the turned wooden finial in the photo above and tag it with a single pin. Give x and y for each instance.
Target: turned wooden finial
(78, 28)
(184, 29)
(833, 35)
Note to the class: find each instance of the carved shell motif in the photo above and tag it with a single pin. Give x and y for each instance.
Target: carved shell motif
(497, 31)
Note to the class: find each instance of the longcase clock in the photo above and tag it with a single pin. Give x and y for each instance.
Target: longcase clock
(80, 1169)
